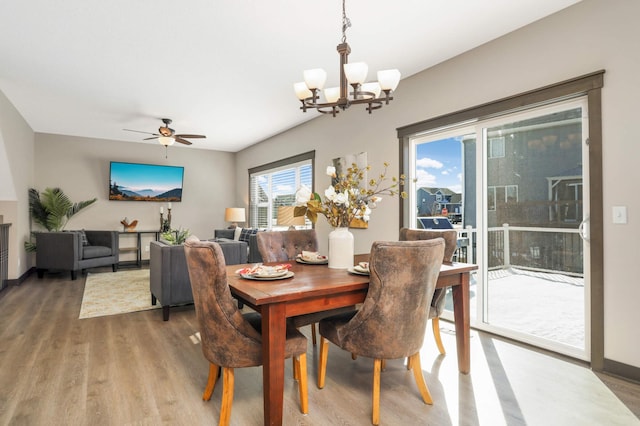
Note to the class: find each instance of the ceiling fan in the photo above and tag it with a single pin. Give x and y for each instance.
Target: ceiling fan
(167, 136)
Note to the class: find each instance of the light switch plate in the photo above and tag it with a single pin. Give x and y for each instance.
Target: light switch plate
(619, 214)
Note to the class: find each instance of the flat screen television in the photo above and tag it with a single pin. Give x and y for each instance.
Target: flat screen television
(145, 182)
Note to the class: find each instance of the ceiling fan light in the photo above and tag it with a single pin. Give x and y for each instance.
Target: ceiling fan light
(356, 72)
(389, 79)
(332, 94)
(302, 92)
(315, 78)
(373, 87)
(166, 141)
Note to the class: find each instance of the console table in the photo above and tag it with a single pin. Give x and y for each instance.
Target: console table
(137, 248)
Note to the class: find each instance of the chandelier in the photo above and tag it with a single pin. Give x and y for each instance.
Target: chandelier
(354, 75)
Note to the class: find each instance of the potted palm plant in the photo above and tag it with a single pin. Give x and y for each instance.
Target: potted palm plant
(52, 210)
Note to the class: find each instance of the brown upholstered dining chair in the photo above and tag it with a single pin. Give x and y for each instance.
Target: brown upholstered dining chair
(403, 276)
(229, 338)
(284, 246)
(450, 237)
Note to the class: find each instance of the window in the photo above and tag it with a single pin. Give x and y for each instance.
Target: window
(496, 147)
(274, 185)
(502, 195)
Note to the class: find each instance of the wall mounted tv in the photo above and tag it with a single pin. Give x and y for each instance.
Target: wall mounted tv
(145, 182)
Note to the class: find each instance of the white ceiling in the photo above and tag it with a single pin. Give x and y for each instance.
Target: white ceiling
(225, 69)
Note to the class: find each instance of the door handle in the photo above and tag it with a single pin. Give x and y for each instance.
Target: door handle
(583, 229)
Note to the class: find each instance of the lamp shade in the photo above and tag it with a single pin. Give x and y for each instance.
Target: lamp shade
(234, 214)
(332, 94)
(166, 140)
(389, 79)
(302, 92)
(356, 72)
(286, 217)
(315, 78)
(372, 88)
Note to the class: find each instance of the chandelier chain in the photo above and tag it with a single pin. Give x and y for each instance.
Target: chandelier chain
(346, 22)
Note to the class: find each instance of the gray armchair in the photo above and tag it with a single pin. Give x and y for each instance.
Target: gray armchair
(65, 250)
(169, 277)
(253, 254)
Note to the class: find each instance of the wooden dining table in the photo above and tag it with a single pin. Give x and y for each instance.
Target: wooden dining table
(315, 288)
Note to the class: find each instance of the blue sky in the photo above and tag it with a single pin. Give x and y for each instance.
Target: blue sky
(439, 164)
(146, 176)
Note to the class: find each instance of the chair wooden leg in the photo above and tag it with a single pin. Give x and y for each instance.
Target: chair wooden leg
(383, 364)
(417, 374)
(295, 368)
(214, 371)
(227, 396)
(301, 367)
(322, 362)
(435, 324)
(377, 364)
(409, 363)
(313, 333)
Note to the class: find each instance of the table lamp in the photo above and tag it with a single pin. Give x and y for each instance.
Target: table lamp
(234, 215)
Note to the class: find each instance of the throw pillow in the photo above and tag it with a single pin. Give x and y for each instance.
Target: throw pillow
(85, 240)
(237, 232)
(246, 234)
(83, 236)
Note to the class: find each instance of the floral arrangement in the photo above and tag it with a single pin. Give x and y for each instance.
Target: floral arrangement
(347, 199)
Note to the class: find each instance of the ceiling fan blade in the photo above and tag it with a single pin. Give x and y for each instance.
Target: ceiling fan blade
(191, 136)
(152, 137)
(138, 131)
(179, 139)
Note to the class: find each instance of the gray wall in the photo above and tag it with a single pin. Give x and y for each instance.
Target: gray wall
(592, 35)
(80, 166)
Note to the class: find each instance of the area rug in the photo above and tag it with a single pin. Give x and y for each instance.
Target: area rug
(112, 293)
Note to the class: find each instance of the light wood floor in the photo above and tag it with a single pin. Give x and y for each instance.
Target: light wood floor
(135, 369)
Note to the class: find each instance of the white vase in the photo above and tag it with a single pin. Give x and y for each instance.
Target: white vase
(340, 248)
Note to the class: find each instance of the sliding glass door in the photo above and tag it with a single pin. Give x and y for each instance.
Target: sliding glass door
(519, 205)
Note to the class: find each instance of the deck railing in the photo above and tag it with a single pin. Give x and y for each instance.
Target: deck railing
(558, 250)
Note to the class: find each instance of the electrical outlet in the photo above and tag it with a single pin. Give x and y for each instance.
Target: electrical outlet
(146, 248)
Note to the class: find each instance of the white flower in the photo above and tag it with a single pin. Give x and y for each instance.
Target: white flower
(373, 202)
(363, 214)
(330, 193)
(331, 171)
(303, 194)
(367, 213)
(342, 198)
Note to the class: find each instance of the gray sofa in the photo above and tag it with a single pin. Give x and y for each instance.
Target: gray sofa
(169, 277)
(253, 254)
(66, 251)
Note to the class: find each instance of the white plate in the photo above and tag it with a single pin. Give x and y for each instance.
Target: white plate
(312, 262)
(356, 272)
(272, 274)
(361, 269)
(287, 274)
